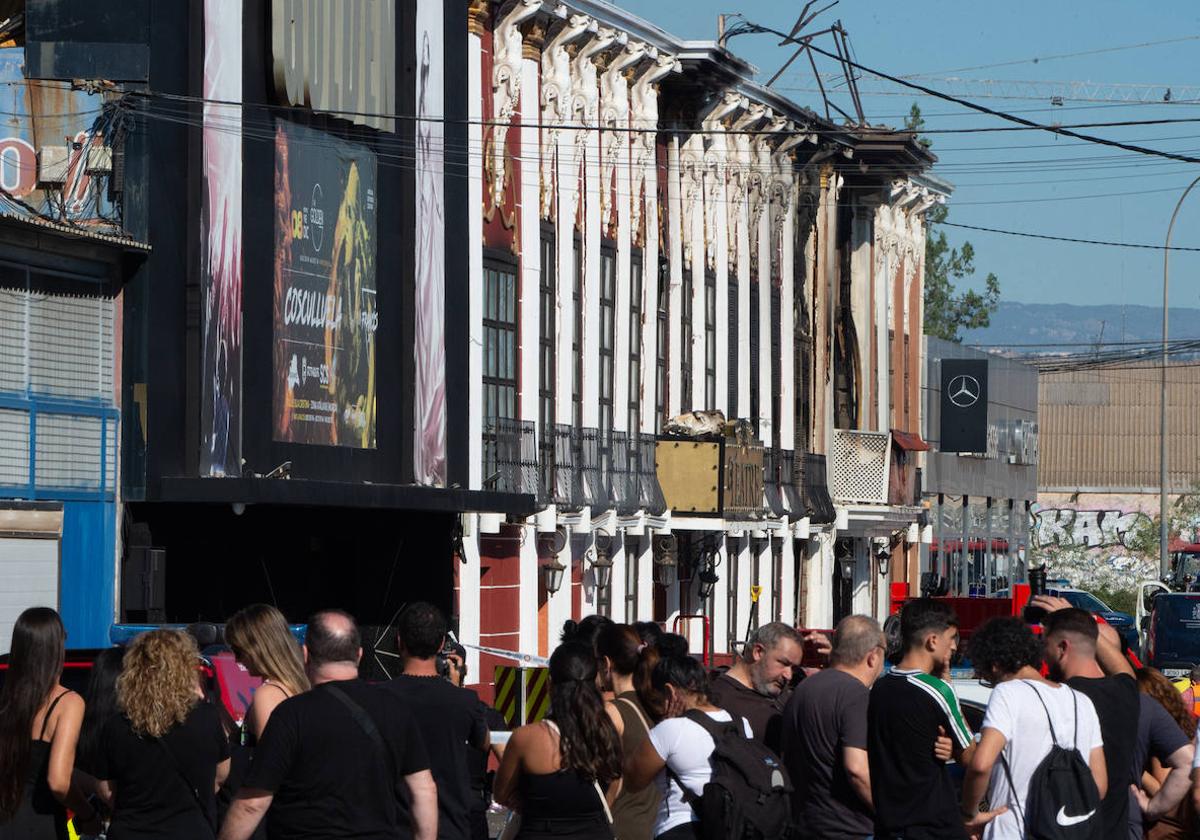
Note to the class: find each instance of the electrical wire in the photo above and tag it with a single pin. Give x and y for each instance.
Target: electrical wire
(1055, 57)
(1068, 238)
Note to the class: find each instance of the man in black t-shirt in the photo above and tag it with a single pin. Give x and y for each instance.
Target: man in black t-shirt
(825, 736)
(909, 708)
(344, 760)
(451, 718)
(1075, 653)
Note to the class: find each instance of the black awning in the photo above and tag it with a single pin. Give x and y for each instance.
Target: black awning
(293, 491)
(817, 501)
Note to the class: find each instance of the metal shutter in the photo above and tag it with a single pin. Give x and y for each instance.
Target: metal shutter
(28, 578)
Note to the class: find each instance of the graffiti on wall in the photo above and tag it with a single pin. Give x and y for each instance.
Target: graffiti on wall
(1094, 540)
(1071, 528)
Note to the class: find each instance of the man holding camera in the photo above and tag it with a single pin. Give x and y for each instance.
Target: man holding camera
(450, 718)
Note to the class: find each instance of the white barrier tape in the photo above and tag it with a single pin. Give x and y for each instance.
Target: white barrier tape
(524, 658)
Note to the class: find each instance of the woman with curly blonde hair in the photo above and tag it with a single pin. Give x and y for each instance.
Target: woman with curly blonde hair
(259, 637)
(162, 759)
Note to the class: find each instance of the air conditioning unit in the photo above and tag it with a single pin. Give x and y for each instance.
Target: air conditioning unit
(53, 162)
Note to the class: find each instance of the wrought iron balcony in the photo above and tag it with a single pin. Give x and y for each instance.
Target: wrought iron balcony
(623, 471)
(861, 461)
(650, 494)
(594, 458)
(815, 502)
(771, 481)
(566, 485)
(790, 484)
(510, 457)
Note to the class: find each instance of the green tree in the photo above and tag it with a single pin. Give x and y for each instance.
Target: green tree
(948, 310)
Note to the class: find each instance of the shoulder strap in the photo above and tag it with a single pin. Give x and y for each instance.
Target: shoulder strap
(1053, 736)
(713, 727)
(365, 724)
(187, 783)
(636, 711)
(50, 711)
(1012, 788)
(688, 796)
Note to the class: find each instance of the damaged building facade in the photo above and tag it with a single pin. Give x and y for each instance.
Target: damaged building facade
(605, 327)
(653, 234)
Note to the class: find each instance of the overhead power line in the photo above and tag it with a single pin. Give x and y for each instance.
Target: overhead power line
(983, 109)
(1068, 238)
(1037, 59)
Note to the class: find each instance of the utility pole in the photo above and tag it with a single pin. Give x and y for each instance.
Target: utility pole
(1164, 553)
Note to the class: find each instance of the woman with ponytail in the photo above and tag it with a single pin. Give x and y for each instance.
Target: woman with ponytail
(562, 774)
(620, 651)
(39, 729)
(679, 750)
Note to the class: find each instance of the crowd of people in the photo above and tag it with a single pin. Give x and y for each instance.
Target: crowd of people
(641, 740)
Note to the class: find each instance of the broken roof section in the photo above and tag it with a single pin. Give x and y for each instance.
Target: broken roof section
(881, 153)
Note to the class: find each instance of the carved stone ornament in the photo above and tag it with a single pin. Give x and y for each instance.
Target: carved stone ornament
(715, 157)
(506, 83)
(644, 118)
(614, 114)
(691, 177)
(556, 93)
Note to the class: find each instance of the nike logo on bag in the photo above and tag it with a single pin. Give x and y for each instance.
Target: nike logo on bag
(1062, 819)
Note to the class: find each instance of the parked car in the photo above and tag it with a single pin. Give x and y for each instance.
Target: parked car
(1122, 622)
(1173, 633)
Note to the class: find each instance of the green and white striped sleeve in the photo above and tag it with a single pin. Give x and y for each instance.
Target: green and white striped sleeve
(947, 700)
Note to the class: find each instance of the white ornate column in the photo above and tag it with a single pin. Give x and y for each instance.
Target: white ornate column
(585, 101)
(559, 192)
(644, 210)
(716, 199)
(616, 176)
(675, 224)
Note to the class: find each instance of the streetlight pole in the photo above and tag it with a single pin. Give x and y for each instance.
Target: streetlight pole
(1164, 554)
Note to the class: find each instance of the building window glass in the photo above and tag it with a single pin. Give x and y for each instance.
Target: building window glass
(547, 373)
(710, 341)
(635, 344)
(499, 350)
(685, 363)
(733, 561)
(608, 333)
(662, 344)
(577, 338)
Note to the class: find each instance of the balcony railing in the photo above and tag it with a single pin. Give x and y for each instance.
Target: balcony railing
(566, 487)
(624, 473)
(771, 482)
(815, 502)
(650, 494)
(860, 466)
(594, 459)
(789, 483)
(510, 457)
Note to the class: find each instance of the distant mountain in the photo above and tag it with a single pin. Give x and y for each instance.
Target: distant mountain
(1070, 325)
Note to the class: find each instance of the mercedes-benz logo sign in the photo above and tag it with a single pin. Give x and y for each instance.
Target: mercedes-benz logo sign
(964, 391)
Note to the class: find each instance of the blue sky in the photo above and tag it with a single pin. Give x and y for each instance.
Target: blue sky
(935, 37)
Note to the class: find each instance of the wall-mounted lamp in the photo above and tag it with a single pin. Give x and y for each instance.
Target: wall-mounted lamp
(602, 564)
(666, 559)
(552, 570)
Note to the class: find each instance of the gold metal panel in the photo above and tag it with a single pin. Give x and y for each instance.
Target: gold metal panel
(689, 473)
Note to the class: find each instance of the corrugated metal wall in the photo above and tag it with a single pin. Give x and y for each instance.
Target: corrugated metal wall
(1100, 429)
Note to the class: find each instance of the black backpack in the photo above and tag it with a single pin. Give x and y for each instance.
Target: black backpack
(749, 796)
(1063, 802)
